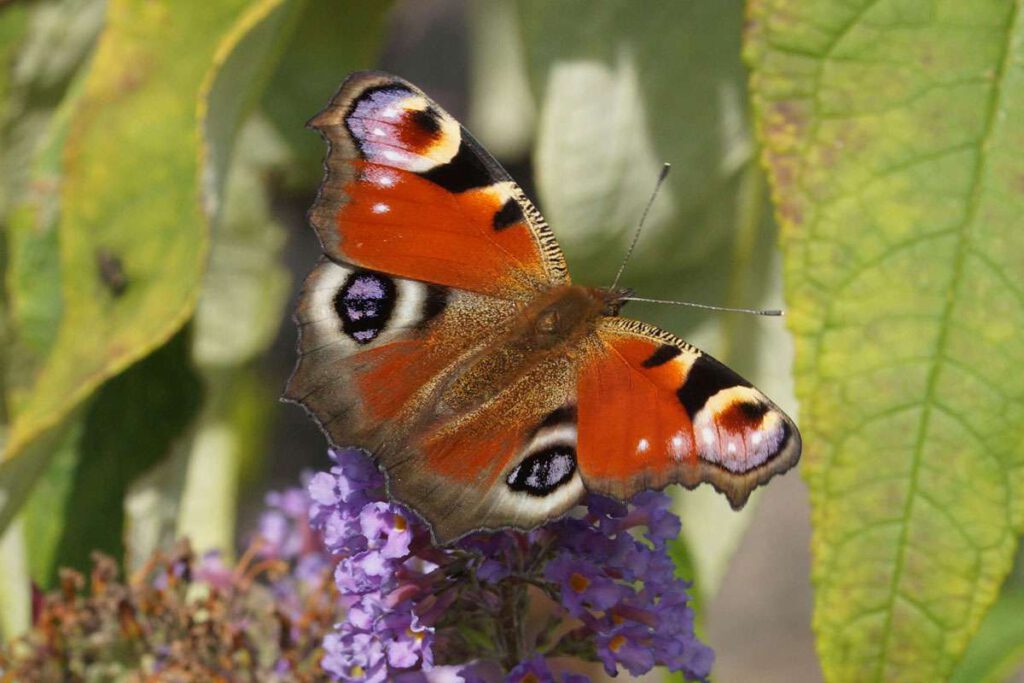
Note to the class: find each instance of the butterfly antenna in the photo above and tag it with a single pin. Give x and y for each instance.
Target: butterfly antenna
(753, 311)
(643, 217)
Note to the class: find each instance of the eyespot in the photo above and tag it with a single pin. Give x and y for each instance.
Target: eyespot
(364, 304)
(544, 471)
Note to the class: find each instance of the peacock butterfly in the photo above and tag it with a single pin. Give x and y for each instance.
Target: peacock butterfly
(441, 333)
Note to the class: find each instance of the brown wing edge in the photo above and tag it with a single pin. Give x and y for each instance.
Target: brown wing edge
(305, 381)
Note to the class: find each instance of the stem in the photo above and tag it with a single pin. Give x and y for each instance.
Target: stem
(510, 623)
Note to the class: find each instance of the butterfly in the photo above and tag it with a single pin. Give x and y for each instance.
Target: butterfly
(440, 332)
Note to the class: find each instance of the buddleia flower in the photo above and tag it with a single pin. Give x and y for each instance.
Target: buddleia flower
(419, 612)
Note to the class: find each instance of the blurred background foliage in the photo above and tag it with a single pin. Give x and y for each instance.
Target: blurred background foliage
(154, 172)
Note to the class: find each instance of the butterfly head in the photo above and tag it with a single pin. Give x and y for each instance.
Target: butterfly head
(613, 299)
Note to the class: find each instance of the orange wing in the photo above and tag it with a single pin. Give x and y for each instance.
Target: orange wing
(395, 366)
(654, 410)
(409, 192)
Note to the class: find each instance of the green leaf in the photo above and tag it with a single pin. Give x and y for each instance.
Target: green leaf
(242, 64)
(129, 211)
(40, 52)
(13, 26)
(893, 134)
(615, 105)
(246, 286)
(44, 85)
(997, 649)
(130, 426)
(327, 44)
(46, 511)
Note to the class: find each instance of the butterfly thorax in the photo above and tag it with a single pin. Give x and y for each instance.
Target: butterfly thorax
(561, 314)
(547, 331)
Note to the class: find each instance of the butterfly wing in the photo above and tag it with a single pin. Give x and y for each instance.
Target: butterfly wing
(424, 377)
(654, 410)
(372, 346)
(511, 462)
(409, 192)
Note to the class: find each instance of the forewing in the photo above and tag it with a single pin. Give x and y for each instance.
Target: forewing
(654, 410)
(407, 191)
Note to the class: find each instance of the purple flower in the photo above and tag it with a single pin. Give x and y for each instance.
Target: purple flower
(408, 641)
(536, 670)
(630, 646)
(387, 529)
(583, 584)
(212, 569)
(352, 655)
(421, 613)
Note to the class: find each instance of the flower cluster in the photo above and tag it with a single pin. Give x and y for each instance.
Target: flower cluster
(416, 612)
(383, 581)
(180, 617)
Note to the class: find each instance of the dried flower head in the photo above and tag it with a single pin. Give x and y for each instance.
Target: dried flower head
(183, 618)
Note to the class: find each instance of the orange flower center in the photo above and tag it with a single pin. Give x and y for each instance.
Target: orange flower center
(400, 523)
(578, 582)
(615, 643)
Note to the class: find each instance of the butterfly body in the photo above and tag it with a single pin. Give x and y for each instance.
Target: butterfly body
(442, 333)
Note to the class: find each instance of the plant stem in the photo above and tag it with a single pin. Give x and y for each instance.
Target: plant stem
(510, 623)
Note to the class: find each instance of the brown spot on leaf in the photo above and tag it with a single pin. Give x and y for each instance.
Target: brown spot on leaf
(111, 271)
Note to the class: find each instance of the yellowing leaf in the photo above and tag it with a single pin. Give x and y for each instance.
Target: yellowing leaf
(129, 211)
(893, 132)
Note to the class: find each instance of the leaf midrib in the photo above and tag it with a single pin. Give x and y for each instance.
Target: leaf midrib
(952, 291)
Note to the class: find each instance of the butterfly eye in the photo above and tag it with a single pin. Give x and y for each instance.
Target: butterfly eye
(547, 323)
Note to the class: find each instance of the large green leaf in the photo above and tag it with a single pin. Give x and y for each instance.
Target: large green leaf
(894, 137)
(45, 78)
(13, 26)
(130, 426)
(129, 211)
